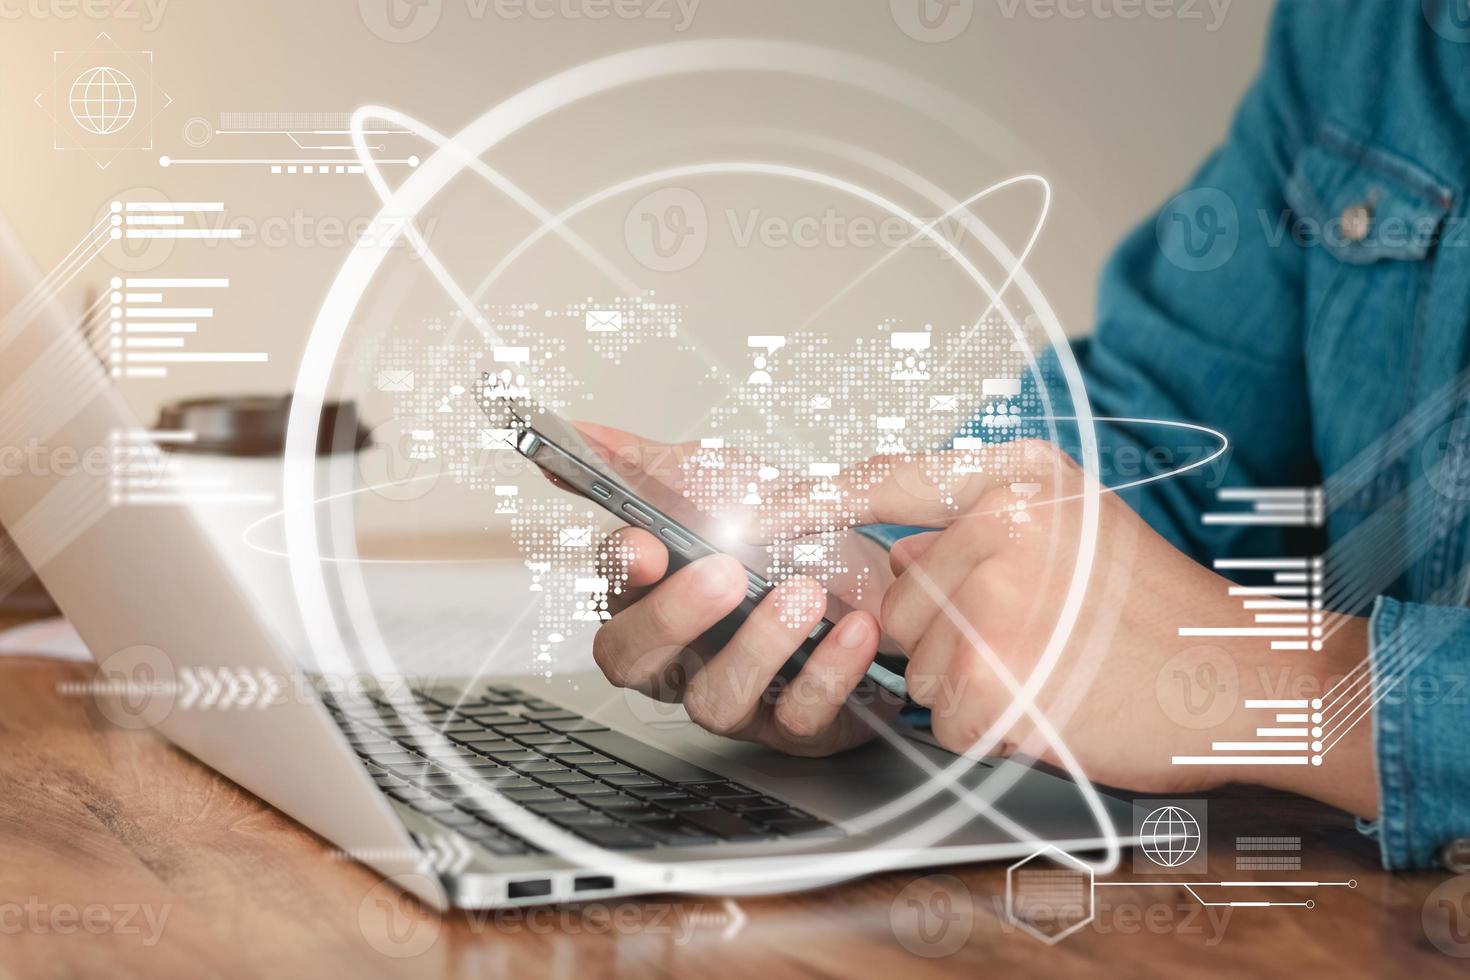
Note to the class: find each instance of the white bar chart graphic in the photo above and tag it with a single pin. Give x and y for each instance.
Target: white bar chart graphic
(1287, 614)
(154, 318)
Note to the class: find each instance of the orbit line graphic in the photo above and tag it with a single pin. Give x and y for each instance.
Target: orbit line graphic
(396, 218)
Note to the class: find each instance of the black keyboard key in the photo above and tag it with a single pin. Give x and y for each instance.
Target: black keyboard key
(607, 769)
(575, 725)
(537, 766)
(581, 757)
(679, 804)
(561, 806)
(476, 768)
(564, 777)
(581, 790)
(524, 728)
(645, 757)
(654, 792)
(549, 714)
(487, 742)
(807, 827)
(636, 779)
(537, 795)
(447, 696)
(559, 748)
(391, 759)
(725, 824)
(484, 788)
(458, 728)
(674, 831)
(716, 790)
(510, 756)
(487, 716)
(586, 818)
(415, 766)
(549, 740)
(617, 801)
(613, 837)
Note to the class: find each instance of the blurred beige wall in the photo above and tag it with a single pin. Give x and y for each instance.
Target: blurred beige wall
(1114, 101)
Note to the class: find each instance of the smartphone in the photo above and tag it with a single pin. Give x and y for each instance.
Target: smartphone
(642, 501)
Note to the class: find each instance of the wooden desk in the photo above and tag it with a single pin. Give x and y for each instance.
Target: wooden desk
(184, 874)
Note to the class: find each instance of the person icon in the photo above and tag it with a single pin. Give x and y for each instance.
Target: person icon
(760, 376)
(752, 495)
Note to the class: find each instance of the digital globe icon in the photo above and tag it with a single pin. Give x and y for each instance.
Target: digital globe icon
(103, 100)
(1169, 836)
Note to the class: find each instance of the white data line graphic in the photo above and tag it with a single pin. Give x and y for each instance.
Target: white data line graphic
(1288, 613)
(307, 132)
(144, 474)
(1279, 507)
(149, 336)
(1190, 887)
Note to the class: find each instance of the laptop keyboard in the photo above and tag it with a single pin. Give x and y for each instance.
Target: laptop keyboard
(440, 752)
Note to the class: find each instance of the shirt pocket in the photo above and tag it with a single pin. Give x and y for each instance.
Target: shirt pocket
(1368, 222)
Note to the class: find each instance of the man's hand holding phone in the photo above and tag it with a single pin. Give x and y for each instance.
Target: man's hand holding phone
(653, 643)
(973, 604)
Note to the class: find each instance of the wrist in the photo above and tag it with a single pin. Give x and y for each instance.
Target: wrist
(1335, 682)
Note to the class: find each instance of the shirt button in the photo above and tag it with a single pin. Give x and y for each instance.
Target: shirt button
(1455, 856)
(1357, 219)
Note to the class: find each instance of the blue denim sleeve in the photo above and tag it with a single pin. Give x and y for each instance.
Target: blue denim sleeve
(1212, 334)
(1420, 672)
(1199, 320)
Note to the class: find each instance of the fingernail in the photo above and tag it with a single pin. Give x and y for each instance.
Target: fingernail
(712, 578)
(853, 632)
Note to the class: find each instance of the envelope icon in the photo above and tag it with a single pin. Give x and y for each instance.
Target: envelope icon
(808, 553)
(498, 439)
(604, 321)
(821, 403)
(944, 403)
(575, 537)
(395, 381)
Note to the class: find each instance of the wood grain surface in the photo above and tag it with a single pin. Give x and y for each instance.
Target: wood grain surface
(123, 857)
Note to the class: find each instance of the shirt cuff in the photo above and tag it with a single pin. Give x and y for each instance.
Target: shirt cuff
(889, 534)
(1419, 671)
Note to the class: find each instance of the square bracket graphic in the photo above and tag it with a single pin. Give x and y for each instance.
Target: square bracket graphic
(1173, 837)
(102, 100)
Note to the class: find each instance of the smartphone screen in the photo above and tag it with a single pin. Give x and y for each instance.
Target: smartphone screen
(630, 488)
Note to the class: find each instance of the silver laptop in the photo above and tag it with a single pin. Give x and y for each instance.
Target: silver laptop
(473, 793)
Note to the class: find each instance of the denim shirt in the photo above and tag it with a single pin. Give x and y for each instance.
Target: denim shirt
(1308, 294)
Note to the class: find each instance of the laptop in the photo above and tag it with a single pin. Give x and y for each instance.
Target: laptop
(474, 792)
